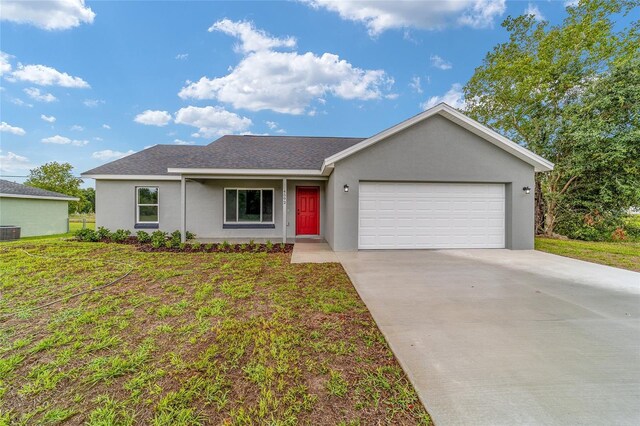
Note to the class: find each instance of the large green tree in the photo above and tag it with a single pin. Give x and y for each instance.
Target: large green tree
(57, 177)
(541, 89)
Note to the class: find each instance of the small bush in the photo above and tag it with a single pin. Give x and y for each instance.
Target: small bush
(158, 238)
(196, 246)
(103, 233)
(143, 237)
(176, 239)
(269, 245)
(189, 235)
(87, 235)
(208, 247)
(120, 235)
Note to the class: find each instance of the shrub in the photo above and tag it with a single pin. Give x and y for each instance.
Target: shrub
(269, 245)
(120, 235)
(143, 237)
(189, 235)
(158, 238)
(208, 247)
(103, 233)
(87, 235)
(196, 246)
(176, 239)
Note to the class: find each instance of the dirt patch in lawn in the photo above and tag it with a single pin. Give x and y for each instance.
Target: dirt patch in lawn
(190, 338)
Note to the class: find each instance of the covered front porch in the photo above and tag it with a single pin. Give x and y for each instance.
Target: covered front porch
(233, 208)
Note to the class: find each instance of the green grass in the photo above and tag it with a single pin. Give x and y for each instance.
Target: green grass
(624, 255)
(189, 339)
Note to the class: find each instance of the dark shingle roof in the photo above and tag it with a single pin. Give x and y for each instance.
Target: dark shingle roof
(12, 188)
(231, 152)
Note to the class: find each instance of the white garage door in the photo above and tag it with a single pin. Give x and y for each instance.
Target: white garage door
(431, 215)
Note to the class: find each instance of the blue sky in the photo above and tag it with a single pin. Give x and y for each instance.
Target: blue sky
(87, 82)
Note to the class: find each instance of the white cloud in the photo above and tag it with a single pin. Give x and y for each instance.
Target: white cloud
(533, 9)
(77, 128)
(380, 16)
(251, 38)
(454, 97)
(4, 127)
(20, 102)
(48, 15)
(61, 140)
(416, 84)
(108, 155)
(272, 125)
(440, 63)
(11, 162)
(286, 82)
(181, 142)
(182, 56)
(571, 3)
(212, 121)
(92, 103)
(5, 65)
(35, 94)
(106, 126)
(48, 118)
(153, 118)
(43, 75)
(98, 138)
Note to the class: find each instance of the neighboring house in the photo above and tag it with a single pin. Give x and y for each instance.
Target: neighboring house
(34, 210)
(436, 180)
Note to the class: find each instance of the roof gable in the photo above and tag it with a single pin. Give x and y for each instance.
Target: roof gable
(444, 110)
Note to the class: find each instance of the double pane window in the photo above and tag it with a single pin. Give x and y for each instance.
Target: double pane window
(248, 206)
(147, 207)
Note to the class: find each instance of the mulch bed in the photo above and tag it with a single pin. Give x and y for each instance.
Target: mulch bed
(205, 247)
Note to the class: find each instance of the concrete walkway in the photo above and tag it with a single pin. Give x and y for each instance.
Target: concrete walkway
(313, 252)
(499, 337)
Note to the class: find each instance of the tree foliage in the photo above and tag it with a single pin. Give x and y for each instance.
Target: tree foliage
(569, 93)
(57, 177)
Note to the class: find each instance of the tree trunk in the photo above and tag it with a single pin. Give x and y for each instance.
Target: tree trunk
(539, 208)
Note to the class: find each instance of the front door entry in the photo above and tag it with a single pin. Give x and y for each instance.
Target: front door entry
(307, 210)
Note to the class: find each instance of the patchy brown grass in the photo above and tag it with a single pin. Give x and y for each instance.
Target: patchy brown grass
(189, 338)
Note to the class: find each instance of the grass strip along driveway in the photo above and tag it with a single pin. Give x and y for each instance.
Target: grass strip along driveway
(187, 339)
(625, 255)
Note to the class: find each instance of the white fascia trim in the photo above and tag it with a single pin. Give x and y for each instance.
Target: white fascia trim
(247, 172)
(131, 177)
(38, 197)
(539, 163)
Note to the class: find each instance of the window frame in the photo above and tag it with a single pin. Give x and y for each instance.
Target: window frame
(138, 205)
(237, 222)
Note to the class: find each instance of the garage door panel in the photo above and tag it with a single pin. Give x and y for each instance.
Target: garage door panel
(431, 215)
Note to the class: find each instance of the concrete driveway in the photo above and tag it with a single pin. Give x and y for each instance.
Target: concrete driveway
(500, 337)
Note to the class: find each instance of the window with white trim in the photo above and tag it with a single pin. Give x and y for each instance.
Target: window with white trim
(147, 206)
(248, 205)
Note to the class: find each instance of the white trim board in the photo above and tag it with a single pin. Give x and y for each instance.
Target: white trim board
(131, 177)
(246, 172)
(539, 163)
(39, 197)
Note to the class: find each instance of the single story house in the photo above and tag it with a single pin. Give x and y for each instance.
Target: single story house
(36, 211)
(436, 180)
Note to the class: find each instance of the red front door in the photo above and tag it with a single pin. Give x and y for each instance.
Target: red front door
(307, 210)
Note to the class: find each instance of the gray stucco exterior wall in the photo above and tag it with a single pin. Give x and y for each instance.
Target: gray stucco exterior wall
(116, 206)
(434, 150)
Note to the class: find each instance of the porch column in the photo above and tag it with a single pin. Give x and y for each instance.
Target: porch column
(284, 210)
(183, 209)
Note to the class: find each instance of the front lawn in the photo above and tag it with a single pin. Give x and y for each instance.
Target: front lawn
(624, 255)
(189, 338)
